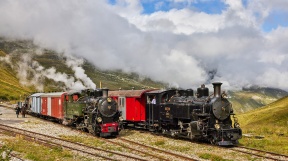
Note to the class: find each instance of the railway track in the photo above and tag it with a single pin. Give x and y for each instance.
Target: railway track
(142, 152)
(11, 155)
(136, 152)
(94, 152)
(260, 153)
(266, 155)
(149, 150)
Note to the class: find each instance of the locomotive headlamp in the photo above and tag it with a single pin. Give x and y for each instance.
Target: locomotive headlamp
(236, 125)
(99, 119)
(121, 118)
(217, 126)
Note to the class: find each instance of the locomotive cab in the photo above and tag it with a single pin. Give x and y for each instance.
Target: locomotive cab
(154, 110)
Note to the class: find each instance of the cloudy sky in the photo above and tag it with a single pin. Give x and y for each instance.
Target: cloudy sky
(182, 42)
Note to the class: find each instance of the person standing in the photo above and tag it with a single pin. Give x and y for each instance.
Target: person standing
(23, 110)
(154, 100)
(17, 109)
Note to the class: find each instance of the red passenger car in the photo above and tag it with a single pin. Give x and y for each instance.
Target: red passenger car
(132, 104)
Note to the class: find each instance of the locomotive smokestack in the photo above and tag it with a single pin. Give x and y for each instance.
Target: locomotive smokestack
(217, 89)
(105, 92)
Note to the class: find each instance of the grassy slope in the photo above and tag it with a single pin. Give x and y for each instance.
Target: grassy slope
(247, 100)
(10, 87)
(270, 121)
(244, 101)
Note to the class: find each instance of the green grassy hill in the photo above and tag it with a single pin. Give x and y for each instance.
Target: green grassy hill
(10, 87)
(270, 121)
(252, 98)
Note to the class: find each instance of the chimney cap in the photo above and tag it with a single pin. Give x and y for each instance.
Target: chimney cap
(217, 83)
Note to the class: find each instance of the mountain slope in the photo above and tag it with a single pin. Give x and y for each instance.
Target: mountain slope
(10, 88)
(273, 114)
(252, 98)
(270, 122)
(23, 62)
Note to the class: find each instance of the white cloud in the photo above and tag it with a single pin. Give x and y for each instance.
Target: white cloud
(177, 46)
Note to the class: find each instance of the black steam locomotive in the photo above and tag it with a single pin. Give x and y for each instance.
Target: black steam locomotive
(100, 115)
(202, 117)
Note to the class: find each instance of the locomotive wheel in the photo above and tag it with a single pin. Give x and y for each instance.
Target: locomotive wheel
(213, 141)
(191, 136)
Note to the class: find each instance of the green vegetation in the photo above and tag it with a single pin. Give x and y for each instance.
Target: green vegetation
(86, 141)
(94, 142)
(36, 152)
(211, 157)
(250, 99)
(159, 142)
(10, 87)
(2, 53)
(5, 153)
(270, 121)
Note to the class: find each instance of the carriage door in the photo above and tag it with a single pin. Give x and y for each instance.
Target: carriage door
(122, 106)
(49, 106)
(150, 106)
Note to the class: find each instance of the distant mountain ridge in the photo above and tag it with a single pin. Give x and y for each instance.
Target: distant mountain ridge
(254, 97)
(279, 93)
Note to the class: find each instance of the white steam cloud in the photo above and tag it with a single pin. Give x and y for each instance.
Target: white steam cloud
(27, 67)
(184, 46)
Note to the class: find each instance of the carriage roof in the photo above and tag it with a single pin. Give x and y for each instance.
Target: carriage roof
(54, 94)
(128, 93)
(36, 94)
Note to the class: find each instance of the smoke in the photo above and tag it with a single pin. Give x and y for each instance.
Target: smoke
(75, 64)
(31, 73)
(183, 47)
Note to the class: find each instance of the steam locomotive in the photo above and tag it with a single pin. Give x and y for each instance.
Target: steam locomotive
(89, 110)
(179, 113)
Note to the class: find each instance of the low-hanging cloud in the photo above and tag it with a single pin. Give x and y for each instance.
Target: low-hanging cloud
(178, 46)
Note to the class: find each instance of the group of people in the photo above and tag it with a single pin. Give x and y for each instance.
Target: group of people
(22, 110)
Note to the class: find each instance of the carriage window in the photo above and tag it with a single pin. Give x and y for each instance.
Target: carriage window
(151, 99)
(121, 102)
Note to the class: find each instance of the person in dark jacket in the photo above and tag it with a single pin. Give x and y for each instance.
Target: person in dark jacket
(17, 109)
(23, 110)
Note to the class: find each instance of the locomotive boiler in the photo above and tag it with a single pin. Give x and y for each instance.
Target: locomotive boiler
(200, 117)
